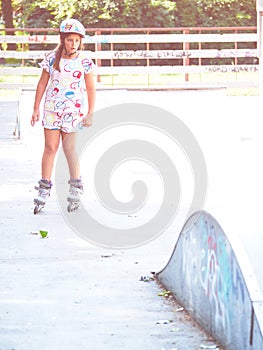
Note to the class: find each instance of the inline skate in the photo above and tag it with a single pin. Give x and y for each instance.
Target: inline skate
(44, 189)
(75, 191)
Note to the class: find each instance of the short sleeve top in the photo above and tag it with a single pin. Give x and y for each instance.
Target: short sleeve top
(66, 91)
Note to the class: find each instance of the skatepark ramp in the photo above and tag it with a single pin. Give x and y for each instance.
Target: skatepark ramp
(210, 275)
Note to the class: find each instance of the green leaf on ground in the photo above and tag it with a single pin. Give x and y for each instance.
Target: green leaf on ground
(43, 233)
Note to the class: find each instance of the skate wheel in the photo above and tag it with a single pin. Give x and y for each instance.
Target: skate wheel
(72, 207)
(37, 209)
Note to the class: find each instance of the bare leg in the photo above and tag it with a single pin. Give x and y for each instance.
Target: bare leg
(69, 141)
(52, 138)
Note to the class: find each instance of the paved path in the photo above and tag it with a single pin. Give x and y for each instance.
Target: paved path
(64, 293)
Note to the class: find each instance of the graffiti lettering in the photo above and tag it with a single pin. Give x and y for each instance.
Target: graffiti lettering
(179, 54)
(37, 39)
(216, 269)
(158, 54)
(232, 69)
(236, 53)
(99, 39)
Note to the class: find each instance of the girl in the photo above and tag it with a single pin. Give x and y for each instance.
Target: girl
(67, 79)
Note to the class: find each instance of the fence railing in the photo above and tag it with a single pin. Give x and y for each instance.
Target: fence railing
(125, 51)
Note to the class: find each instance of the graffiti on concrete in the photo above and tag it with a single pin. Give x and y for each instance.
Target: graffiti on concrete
(214, 267)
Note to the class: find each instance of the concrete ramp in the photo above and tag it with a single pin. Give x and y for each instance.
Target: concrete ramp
(212, 278)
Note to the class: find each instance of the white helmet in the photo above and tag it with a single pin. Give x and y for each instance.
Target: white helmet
(72, 26)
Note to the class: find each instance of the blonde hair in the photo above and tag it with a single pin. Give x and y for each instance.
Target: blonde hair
(60, 48)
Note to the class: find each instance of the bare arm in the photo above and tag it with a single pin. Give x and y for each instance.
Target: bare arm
(91, 94)
(41, 88)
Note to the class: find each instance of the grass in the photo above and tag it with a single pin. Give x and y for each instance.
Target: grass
(154, 80)
(240, 80)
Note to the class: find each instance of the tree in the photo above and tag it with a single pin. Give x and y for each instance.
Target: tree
(102, 13)
(227, 13)
(131, 13)
(187, 14)
(7, 13)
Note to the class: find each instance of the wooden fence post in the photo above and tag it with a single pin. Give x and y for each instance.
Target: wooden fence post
(98, 60)
(186, 60)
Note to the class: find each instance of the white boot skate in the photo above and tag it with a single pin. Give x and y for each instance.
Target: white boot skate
(75, 191)
(44, 189)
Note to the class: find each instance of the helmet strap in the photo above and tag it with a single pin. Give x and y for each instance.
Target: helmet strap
(68, 53)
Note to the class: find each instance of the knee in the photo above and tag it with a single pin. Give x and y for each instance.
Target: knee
(51, 149)
(68, 149)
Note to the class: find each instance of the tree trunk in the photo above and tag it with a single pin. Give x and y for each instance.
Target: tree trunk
(7, 10)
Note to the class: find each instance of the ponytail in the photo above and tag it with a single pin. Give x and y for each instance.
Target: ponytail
(58, 57)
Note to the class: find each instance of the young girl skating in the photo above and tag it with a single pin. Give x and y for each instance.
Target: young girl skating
(68, 81)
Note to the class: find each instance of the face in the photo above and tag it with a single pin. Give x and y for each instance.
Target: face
(72, 43)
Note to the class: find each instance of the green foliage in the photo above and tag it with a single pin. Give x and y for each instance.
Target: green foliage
(94, 13)
(135, 13)
(227, 13)
(187, 14)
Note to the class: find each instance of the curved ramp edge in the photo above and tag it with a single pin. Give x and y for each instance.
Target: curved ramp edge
(213, 280)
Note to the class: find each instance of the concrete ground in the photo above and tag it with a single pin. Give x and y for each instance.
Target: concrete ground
(62, 292)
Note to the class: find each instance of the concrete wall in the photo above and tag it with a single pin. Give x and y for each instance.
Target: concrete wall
(204, 275)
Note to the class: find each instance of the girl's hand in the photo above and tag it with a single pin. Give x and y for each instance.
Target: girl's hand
(35, 117)
(87, 121)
